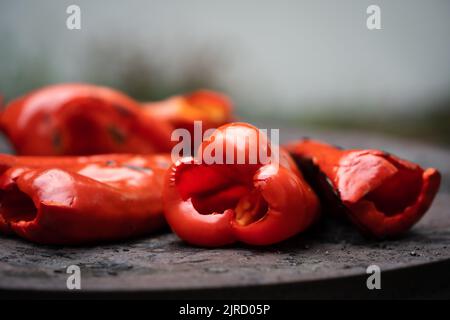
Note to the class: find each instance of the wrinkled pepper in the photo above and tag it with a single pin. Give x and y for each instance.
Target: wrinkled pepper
(77, 200)
(212, 108)
(383, 195)
(82, 119)
(216, 204)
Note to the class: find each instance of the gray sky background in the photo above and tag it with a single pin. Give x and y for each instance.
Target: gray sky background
(288, 56)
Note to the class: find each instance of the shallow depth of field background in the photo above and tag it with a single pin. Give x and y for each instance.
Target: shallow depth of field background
(297, 63)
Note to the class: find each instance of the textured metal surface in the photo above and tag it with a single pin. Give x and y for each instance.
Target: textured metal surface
(329, 261)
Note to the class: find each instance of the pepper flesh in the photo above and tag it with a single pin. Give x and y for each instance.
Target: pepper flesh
(383, 195)
(75, 200)
(258, 203)
(82, 119)
(212, 108)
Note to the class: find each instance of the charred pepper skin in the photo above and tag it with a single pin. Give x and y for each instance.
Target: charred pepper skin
(383, 195)
(78, 200)
(82, 119)
(213, 205)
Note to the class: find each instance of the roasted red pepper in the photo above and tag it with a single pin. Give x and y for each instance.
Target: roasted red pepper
(382, 194)
(74, 200)
(213, 109)
(81, 119)
(257, 203)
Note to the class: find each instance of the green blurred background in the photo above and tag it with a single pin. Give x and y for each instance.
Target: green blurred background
(298, 63)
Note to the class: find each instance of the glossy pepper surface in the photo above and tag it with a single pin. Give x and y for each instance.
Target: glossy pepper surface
(212, 108)
(75, 200)
(258, 203)
(381, 194)
(82, 119)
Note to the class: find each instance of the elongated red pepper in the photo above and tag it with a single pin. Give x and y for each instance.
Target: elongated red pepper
(74, 200)
(383, 195)
(258, 203)
(82, 119)
(213, 109)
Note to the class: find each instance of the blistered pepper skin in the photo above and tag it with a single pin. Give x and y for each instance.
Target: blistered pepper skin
(82, 119)
(215, 204)
(383, 195)
(77, 200)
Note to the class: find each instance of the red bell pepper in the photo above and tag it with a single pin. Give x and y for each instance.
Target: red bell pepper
(212, 108)
(258, 203)
(74, 200)
(82, 119)
(381, 194)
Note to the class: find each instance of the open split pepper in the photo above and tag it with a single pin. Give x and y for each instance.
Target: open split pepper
(215, 203)
(75, 200)
(82, 119)
(382, 194)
